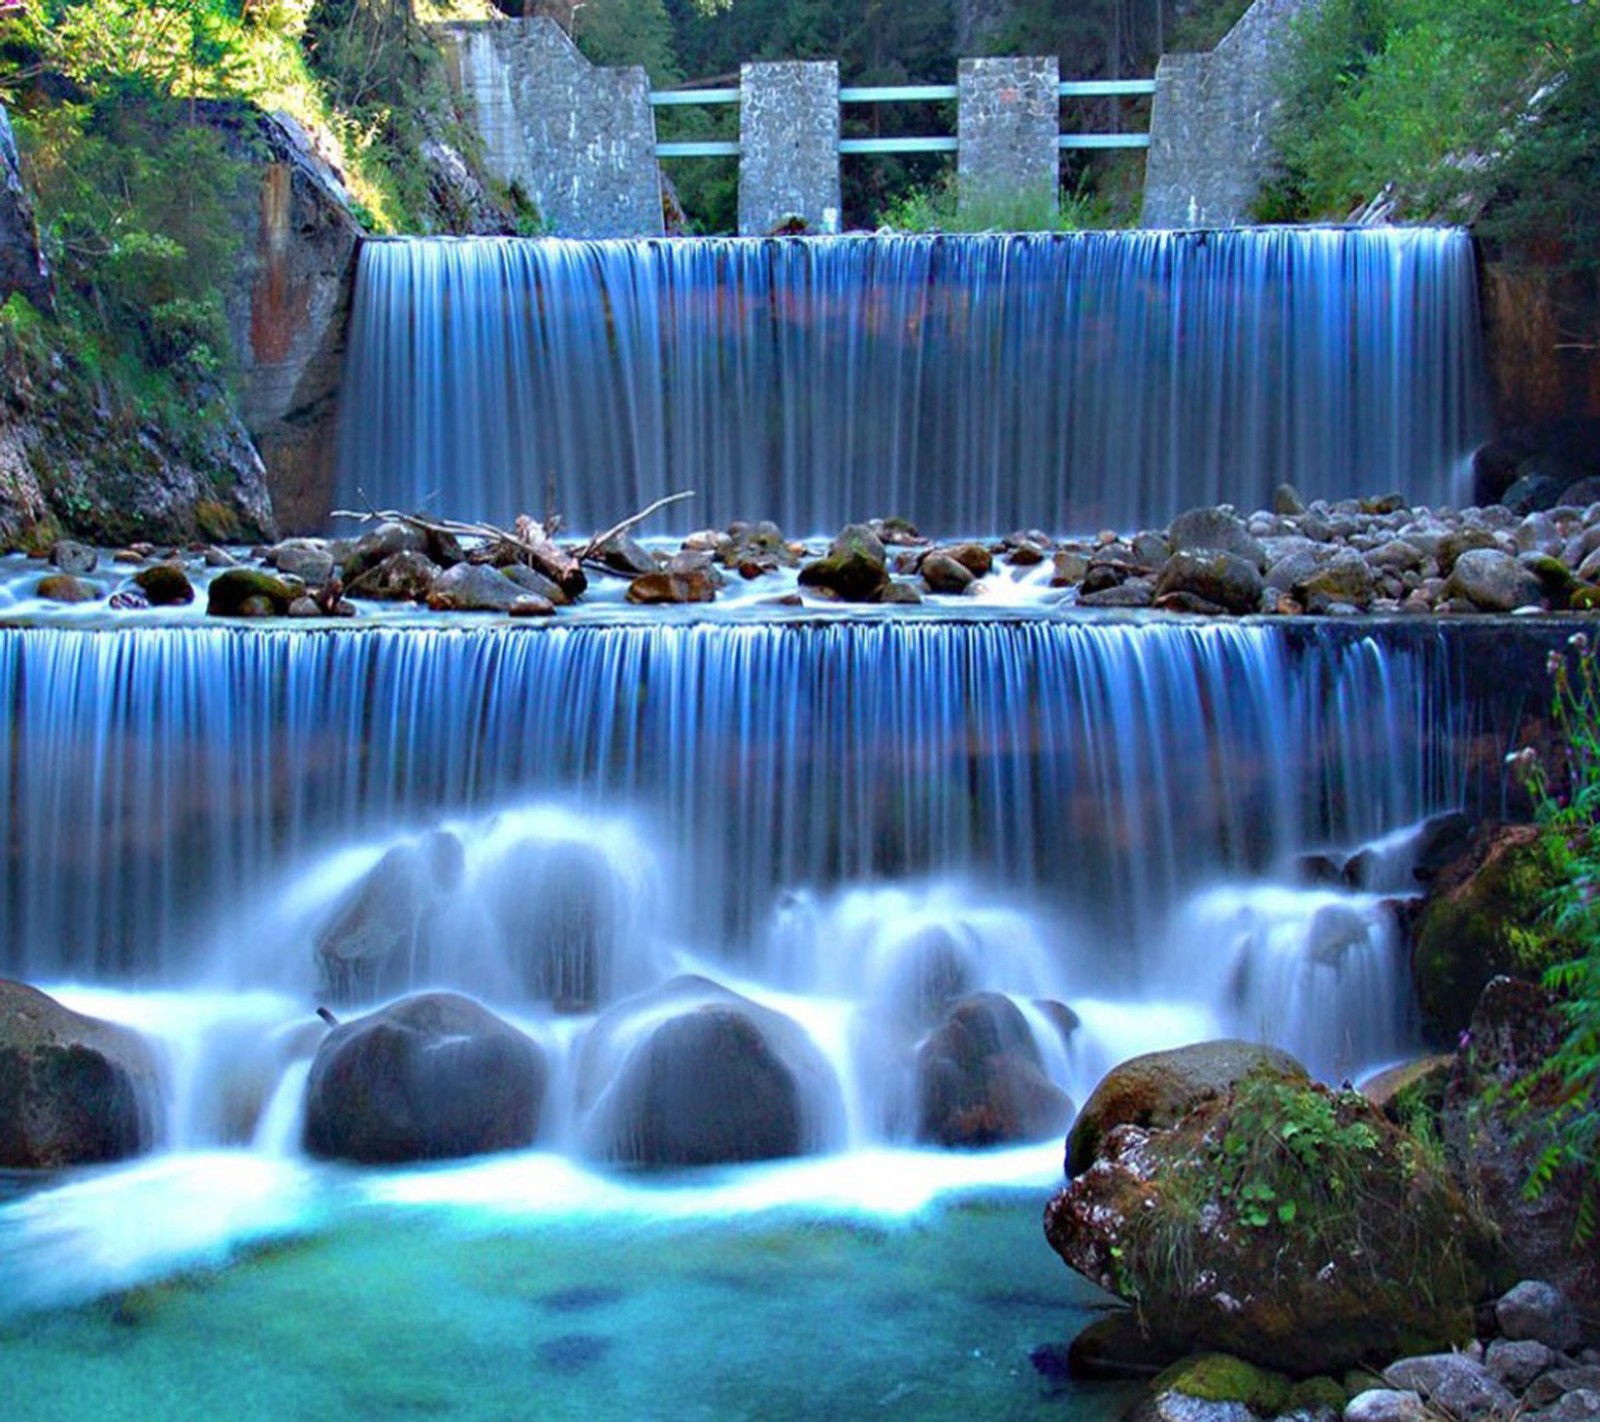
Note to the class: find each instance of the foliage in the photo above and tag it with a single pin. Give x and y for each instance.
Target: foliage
(938, 208)
(1457, 107)
(1568, 797)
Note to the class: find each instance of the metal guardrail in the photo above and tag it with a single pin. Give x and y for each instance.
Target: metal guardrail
(896, 94)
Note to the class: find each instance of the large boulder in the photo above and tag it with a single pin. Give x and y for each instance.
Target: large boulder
(1217, 530)
(22, 264)
(981, 1079)
(429, 1077)
(1494, 581)
(1224, 581)
(1475, 923)
(1160, 1088)
(1286, 1224)
(689, 1073)
(73, 1090)
(854, 569)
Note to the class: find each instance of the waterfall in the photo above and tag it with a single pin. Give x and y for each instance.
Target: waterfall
(971, 384)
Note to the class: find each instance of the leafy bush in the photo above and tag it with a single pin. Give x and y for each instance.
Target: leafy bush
(1568, 797)
(938, 208)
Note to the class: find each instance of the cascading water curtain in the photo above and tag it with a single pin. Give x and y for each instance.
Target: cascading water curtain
(157, 783)
(972, 384)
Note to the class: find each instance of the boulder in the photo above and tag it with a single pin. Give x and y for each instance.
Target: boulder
(854, 569)
(1453, 1384)
(309, 559)
(1517, 1362)
(1539, 1312)
(246, 592)
(1286, 1224)
(429, 1077)
(1493, 581)
(374, 943)
(623, 553)
(1385, 1404)
(1158, 1089)
(1229, 582)
(405, 576)
(65, 587)
(379, 545)
(165, 585)
(73, 1090)
(1343, 580)
(1472, 926)
(67, 555)
(1216, 530)
(981, 1080)
(22, 264)
(665, 587)
(473, 587)
(689, 1073)
(944, 574)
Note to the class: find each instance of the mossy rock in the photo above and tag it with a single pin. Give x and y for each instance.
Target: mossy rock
(1480, 921)
(242, 592)
(1315, 1394)
(1221, 1377)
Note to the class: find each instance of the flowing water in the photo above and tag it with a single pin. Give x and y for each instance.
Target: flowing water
(970, 384)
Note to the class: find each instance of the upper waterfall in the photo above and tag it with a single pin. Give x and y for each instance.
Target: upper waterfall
(970, 384)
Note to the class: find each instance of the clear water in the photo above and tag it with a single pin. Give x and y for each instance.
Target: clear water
(971, 384)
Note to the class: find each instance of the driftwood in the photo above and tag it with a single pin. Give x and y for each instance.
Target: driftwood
(599, 541)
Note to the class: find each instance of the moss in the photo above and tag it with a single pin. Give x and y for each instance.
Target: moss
(1221, 1377)
(216, 523)
(1311, 1394)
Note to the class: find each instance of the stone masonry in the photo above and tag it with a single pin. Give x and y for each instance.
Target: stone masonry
(789, 146)
(1211, 123)
(578, 140)
(1009, 121)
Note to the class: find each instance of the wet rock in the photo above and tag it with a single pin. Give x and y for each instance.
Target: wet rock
(1493, 581)
(1071, 567)
(1115, 1346)
(1135, 592)
(1462, 540)
(691, 1074)
(623, 553)
(899, 593)
(1286, 500)
(165, 585)
(1580, 1405)
(473, 587)
(943, 574)
(1178, 1407)
(383, 542)
(73, 1090)
(1158, 1089)
(1217, 530)
(1223, 579)
(309, 559)
(1517, 1362)
(981, 1079)
(407, 576)
(1452, 1383)
(663, 587)
(1345, 579)
(429, 1077)
(1220, 1377)
(1380, 1404)
(1541, 1313)
(532, 605)
(854, 569)
(536, 584)
(755, 549)
(78, 559)
(66, 588)
(250, 592)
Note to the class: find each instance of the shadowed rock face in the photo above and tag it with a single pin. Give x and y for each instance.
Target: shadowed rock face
(73, 1090)
(22, 264)
(430, 1077)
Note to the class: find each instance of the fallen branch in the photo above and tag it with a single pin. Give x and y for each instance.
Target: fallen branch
(529, 542)
(595, 544)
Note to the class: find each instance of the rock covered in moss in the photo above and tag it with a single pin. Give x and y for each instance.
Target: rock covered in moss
(1288, 1225)
(854, 569)
(1159, 1088)
(66, 588)
(165, 585)
(246, 592)
(73, 1090)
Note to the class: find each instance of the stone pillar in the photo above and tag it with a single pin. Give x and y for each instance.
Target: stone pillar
(1211, 123)
(1008, 126)
(579, 141)
(789, 146)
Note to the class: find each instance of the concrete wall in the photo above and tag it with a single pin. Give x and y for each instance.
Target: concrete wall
(1211, 123)
(579, 141)
(789, 146)
(1008, 125)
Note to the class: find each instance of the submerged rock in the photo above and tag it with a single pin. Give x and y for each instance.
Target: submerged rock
(73, 1090)
(426, 1078)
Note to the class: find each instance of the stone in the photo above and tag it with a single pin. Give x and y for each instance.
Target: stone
(1381, 1404)
(1158, 1089)
(1115, 1346)
(1070, 567)
(73, 1090)
(382, 543)
(855, 568)
(1218, 530)
(165, 585)
(980, 1079)
(623, 553)
(431, 1077)
(1286, 500)
(1517, 1362)
(1344, 579)
(789, 147)
(406, 576)
(536, 584)
(78, 559)
(1462, 540)
(1539, 1312)
(1008, 119)
(250, 592)
(1494, 581)
(1135, 592)
(1220, 1377)
(943, 574)
(309, 559)
(23, 267)
(1221, 578)
(1582, 1405)
(473, 587)
(664, 587)
(1177, 1407)
(899, 593)
(689, 1073)
(532, 605)
(1455, 1384)
(64, 587)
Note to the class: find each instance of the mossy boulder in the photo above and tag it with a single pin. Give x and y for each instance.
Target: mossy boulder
(165, 585)
(1289, 1225)
(248, 592)
(1221, 1377)
(1480, 920)
(1160, 1088)
(854, 569)
(73, 1090)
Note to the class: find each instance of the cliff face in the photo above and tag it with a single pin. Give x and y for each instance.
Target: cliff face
(22, 264)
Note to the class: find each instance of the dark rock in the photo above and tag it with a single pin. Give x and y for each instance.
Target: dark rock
(981, 1080)
(165, 585)
(1229, 582)
(1459, 541)
(855, 567)
(78, 559)
(381, 543)
(309, 559)
(943, 574)
(406, 576)
(1071, 567)
(535, 584)
(898, 593)
(1452, 1383)
(1286, 500)
(473, 587)
(1517, 1362)
(1534, 492)
(663, 587)
(426, 1078)
(713, 1079)
(1135, 592)
(248, 592)
(64, 587)
(1540, 1313)
(73, 1090)
(1158, 1089)
(22, 263)
(1582, 1405)
(1115, 1346)
(1493, 581)
(532, 605)
(896, 532)
(1344, 579)
(623, 553)
(1217, 530)
(756, 548)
